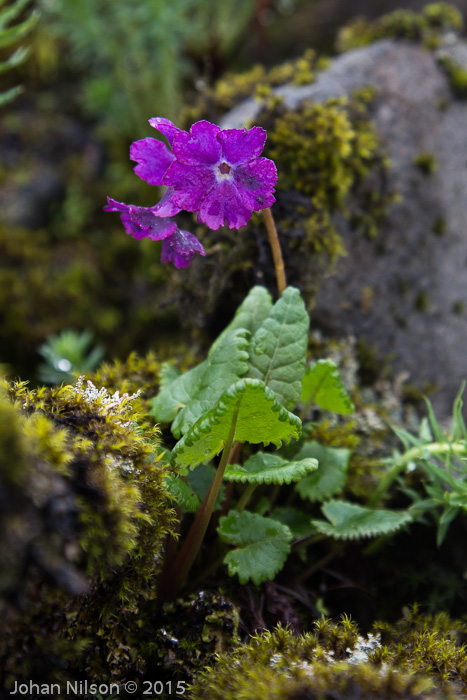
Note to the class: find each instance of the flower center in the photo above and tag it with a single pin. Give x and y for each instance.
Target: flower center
(224, 171)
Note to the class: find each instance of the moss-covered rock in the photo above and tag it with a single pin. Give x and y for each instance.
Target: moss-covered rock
(424, 658)
(426, 26)
(84, 518)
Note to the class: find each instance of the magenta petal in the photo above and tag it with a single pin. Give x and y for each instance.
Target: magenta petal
(166, 128)
(153, 158)
(224, 202)
(255, 181)
(166, 206)
(190, 184)
(141, 222)
(200, 146)
(180, 248)
(131, 228)
(240, 145)
(155, 228)
(113, 205)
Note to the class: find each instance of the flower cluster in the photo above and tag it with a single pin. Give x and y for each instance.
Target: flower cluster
(216, 173)
(178, 246)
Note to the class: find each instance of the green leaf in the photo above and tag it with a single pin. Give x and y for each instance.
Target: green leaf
(10, 94)
(424, 432)
(18, 57)
(330, 478)
(260, 418)
(322, 385)
(262, 545)
(278, 348)
(168, 374)
(18, 31)
(349, 521)
(435, 426)
(184, 399)
(459, 429)
(11, 12)
(183, 494)
(407, 439)
(296, 520)
(251, 313)
(445, 520)
(264, 468)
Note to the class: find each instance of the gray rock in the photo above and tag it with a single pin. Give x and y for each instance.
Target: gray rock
(404, 292)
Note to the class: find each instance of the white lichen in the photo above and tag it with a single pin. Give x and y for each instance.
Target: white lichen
(101, 399)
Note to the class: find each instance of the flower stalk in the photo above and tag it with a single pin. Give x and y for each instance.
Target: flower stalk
(276, 250)
(175, 576)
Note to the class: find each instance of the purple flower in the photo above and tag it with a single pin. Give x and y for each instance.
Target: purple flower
(216, 173)
(178, 246)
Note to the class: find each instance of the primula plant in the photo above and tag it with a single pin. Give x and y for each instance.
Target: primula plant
(253, 378)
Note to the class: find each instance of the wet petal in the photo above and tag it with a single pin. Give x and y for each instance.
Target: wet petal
(224, 202)
(166, 128)
(155, 227)
(141, 222)
(200, 146)
(240, 145)
(131, 228)
(166, 206)
(113, 205)
(189, 183)
(256, 181)
(153, 158)
(180, 248)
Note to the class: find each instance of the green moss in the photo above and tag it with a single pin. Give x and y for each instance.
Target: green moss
(191, 632)
(326, 152)
(429, 644)
(370, 365)
(415, 394)
(425, 26)
(443, 15)
(412, 661)
(15, 451)
(422, 301)
(439, 226)
(458, 307)
(457, 76)
(88, 488)
(426, 163)
(258, 81)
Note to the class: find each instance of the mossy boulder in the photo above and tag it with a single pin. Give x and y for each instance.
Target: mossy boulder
(84, 518)
(399, 282)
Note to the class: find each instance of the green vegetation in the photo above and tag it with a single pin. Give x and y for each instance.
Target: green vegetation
(426, 163)
(420, 656)
(255, 476)
(68, 355)
(425, 26)
(138, 60)
(10, 36)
